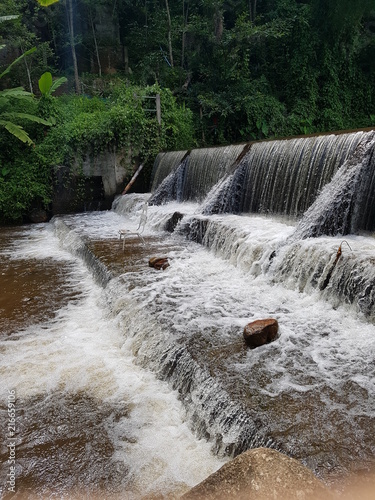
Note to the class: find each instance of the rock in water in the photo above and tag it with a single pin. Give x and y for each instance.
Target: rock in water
(260, 332)
(172, 222)
(159, 262)
(260, 474)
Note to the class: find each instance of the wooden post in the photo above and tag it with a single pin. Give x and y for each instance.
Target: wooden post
(132, 180)
(158, 109)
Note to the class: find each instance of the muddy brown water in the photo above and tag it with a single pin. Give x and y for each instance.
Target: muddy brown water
(64, 446)
(75, 432)
(31, 290)
(54, 432)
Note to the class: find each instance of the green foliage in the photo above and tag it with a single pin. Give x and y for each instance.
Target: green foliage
(8, 116)
(7, 70)
(24, 183)
(47, 86)
(126, 119)
(292, 67)
(47, 3)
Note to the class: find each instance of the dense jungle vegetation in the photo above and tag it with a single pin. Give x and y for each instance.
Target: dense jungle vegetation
(227, 71)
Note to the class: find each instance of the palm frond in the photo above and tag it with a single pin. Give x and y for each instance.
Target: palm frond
(56, 84)
(30, 51)
(25, 116)
(17, 131)
(17, 92)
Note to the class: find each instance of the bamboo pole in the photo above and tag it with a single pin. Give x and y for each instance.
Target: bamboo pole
(132, 180)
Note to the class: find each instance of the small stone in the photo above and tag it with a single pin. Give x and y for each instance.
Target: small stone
(159, 263)
(260, 332)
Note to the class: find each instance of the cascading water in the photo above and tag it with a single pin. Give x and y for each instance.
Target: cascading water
(164, 164)
(279, 177)
(89, 422)
(346, 204)
(189, 175)
(310, 393)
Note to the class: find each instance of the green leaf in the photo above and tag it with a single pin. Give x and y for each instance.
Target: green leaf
(45, 83)
(16, 92)
(25, 116)
(56, 84)
(17, 131)
(46, 3)
(30, 51)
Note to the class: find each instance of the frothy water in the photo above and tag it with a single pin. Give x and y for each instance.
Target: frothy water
(127, 385)
(89, 420)
(312, 390)
(309, 394)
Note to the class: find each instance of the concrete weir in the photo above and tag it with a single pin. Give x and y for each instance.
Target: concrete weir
(259, 470)
(185, 324)
(213, 414)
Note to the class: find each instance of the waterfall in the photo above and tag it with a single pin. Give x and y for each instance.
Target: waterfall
(282, 177)
(172, 187)
(251, 231)
(346, 204)
(185, 325)
(164, 164)
(189, 176)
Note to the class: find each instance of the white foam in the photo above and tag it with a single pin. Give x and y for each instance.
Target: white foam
(83, 351)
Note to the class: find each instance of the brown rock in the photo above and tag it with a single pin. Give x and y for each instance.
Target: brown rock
(260, 332)
(159, 262)
(260, 474)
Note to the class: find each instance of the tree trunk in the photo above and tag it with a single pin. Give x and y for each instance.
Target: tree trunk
(201, 118)
(169, 34)
(96, 44)
(28, 74)
(69, 8)
(219, 25)
(185, 15)
(126, 60)
(252, 10)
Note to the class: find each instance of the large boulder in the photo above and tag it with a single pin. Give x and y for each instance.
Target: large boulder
(260, 332)
(260, 474)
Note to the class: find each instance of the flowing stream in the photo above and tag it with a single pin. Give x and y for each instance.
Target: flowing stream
(136, 383)
(89, 420)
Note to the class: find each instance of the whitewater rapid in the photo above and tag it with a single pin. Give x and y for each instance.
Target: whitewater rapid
(74, 372)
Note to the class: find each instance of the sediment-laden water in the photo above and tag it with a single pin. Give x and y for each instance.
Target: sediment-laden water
(131, 379)
(88, 420)
(131, 382)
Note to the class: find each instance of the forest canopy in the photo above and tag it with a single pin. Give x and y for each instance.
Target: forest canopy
(247, 69)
